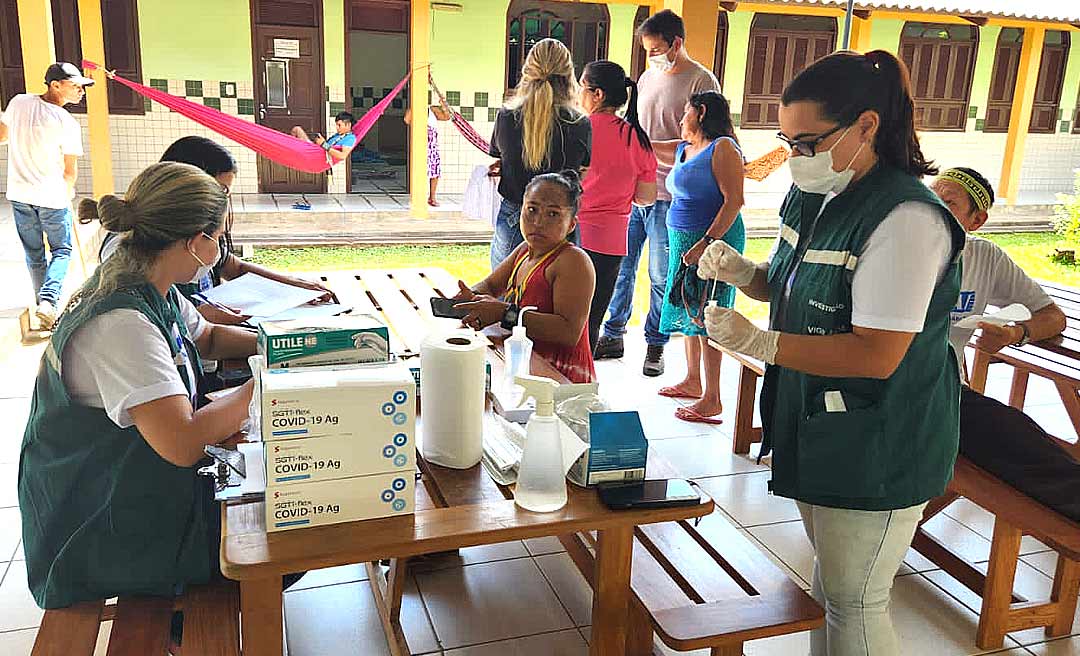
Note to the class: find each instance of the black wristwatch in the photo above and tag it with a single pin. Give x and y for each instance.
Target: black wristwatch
(510, 317)
(708, 239)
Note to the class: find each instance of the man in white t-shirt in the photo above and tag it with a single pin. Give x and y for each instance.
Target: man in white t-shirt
(997, 437)
(44, 143)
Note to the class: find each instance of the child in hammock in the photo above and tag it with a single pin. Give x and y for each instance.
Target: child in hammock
(340, 144)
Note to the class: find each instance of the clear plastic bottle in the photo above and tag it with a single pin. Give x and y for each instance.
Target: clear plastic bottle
(541, 482)
(518, 349)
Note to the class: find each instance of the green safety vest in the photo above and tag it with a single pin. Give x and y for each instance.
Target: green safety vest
(103, 514)
(885, 444)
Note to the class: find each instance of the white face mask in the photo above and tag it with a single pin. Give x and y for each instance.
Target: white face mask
(661, 62)
(204, 269)
(815, 175)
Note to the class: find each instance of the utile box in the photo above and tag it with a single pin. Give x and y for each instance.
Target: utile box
(344, 339)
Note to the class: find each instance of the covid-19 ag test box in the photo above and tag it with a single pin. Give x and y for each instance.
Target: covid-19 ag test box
(375, 402)
(344, 339)
(385, 449)
(340, 500)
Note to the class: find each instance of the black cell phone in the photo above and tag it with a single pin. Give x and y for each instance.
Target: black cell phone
(446, 308)
(659, 493)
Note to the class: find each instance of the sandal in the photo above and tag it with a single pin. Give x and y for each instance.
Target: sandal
(686, 414)
(673, 392)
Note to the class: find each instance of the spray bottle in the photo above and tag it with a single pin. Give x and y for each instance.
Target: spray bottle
(541, 482)
(518, 350)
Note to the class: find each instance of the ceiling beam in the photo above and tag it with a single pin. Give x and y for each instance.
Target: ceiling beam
(729, 7)
(863, 14)
(981, 21)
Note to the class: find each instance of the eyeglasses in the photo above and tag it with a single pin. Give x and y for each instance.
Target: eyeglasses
(808, 147)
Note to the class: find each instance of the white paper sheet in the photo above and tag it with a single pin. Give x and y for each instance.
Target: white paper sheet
(303, 312)
(1014, 312)
(256, 296)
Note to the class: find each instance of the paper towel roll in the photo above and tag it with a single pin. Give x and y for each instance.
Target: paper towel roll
(452, 385)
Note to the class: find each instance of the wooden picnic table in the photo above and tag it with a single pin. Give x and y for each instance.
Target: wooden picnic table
(1056, 359)
(454, 508)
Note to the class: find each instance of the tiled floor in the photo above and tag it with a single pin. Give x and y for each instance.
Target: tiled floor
(528, 599)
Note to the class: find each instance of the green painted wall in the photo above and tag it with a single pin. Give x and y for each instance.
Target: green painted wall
(334, 43)
(738, 43)
(468, 49)
(984, 69)
(885, 34)
(196, 40)
(1070, 91)
(621, 39)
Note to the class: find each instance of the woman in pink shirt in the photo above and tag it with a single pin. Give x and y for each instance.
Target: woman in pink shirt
(622, 171)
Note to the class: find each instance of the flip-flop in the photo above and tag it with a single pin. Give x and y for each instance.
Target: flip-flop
(686, 414)
(673, 393)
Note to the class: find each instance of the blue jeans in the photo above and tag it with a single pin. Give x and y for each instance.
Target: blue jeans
(507, 232)
(646, 223)
(36, 224)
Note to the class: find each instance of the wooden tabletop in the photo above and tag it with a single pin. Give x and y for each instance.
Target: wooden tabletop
(1057, 358)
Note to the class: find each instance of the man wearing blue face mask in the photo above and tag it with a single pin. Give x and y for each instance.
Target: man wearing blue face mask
(663, 91)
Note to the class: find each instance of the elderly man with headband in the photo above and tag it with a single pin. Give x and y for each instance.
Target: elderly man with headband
(997, 437)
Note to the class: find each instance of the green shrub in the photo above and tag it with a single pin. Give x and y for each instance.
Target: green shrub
(1067, 214)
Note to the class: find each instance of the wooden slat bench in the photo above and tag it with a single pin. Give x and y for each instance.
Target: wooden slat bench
(141, 625)
(696, 587)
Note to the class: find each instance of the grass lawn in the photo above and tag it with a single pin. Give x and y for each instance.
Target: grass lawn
(470, 263)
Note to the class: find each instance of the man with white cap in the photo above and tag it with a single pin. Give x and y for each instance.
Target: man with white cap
(44, 143)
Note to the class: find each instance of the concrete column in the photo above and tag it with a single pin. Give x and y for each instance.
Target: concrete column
(700, 17)
(97, 98)
(38, 50)
(419, 58)
(1027, 77)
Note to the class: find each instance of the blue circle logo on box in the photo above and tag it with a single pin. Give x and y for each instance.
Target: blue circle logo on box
(387, 495)
(389, 451)
(399, 504)
(400, 419)
(400, 460)
(399, 484)
(401, 439)
(388, 409)
(401, 396)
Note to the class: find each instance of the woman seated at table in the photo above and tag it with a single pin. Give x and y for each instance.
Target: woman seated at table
(110, 499)
(546, 272)
(215, 160)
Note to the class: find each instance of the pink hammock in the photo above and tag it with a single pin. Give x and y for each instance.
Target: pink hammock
(463, 126)
(282, 148)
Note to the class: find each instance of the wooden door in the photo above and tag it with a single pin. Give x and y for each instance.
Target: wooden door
(289, 92)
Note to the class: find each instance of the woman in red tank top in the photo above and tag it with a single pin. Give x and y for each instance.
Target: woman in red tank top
(546, 272)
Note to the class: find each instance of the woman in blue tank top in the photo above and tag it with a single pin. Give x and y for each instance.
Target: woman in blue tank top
(706, 186)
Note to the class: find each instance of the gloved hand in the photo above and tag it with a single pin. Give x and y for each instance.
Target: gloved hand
(722, 262)
(735, 332)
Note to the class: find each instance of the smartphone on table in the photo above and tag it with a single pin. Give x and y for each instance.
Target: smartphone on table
(657, 493)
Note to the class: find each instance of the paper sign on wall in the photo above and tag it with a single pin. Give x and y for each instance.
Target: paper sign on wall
(287, 48)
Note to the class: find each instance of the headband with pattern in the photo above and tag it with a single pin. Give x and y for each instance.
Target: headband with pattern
(975, 189)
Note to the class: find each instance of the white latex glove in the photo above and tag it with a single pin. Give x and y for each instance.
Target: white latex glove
(722, 262)
(736, 333)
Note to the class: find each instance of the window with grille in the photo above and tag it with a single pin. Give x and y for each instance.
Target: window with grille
(582, 27)
(780, 47)
(941, 60)
(120, 23)
(1044, 112)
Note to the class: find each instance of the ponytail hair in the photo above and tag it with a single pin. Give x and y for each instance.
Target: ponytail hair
(846, 84)
(570, 182)
(610, 78)
(547, 85)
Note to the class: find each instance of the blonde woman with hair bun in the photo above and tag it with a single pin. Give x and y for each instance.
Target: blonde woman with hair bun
(540, 130)
(107, 476)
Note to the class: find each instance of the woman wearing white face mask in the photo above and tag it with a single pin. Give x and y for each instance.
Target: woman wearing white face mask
(860, 404)
(107, 473)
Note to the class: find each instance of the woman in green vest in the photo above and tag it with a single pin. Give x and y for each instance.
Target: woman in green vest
(111, 503)
(860, 404)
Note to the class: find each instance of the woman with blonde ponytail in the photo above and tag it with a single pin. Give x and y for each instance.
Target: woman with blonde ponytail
(110, 499)
(540, 130)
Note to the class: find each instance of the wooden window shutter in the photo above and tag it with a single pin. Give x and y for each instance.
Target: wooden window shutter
(1044, 112)
(720, 56)
(638, 58)
(12, 81)
(941, 61)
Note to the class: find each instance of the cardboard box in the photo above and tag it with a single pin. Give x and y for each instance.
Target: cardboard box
(617, 451)
(386, 450)
(344, 339)
(340, 500)
(306, 403)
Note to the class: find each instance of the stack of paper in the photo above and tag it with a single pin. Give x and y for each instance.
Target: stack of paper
(264, 299)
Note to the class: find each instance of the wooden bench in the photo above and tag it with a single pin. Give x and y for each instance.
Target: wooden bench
(696, 587)
(141, 625)
(1015, 515)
